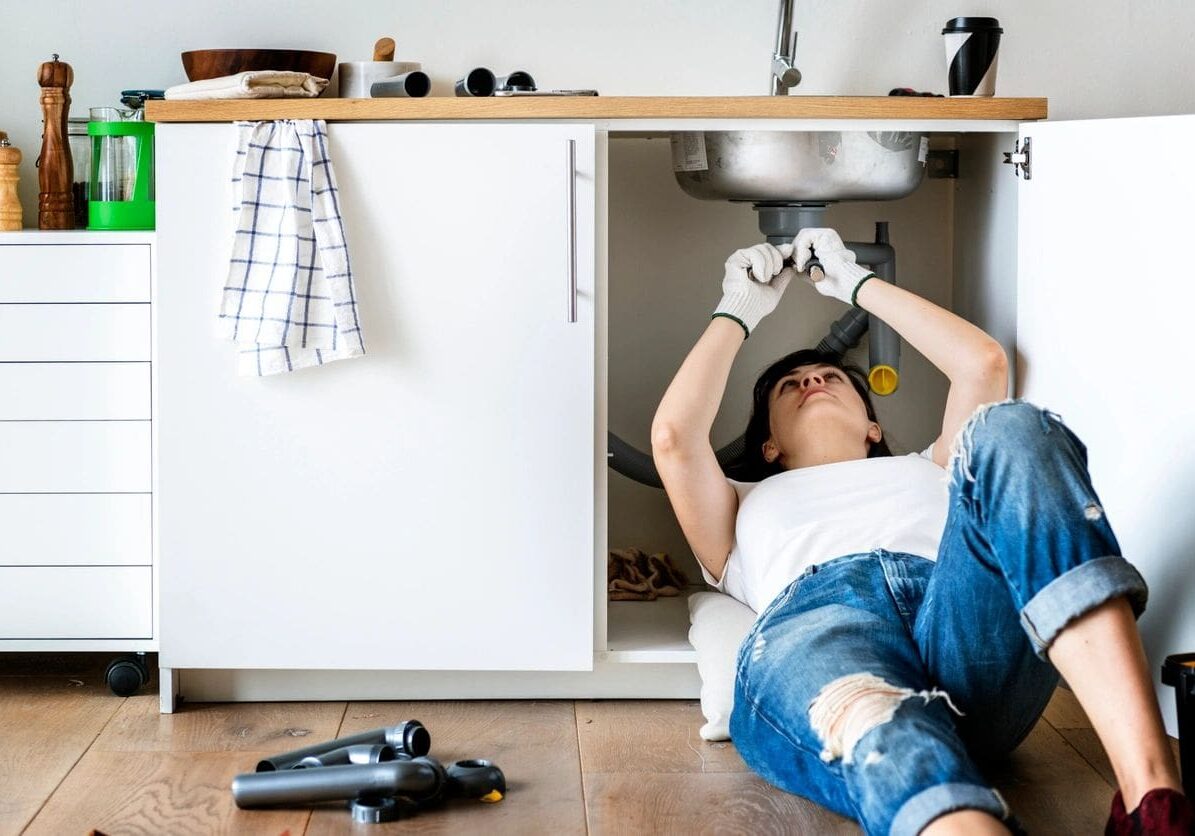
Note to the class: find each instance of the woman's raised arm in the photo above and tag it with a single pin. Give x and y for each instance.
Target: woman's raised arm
(972, 360)
(704, 502)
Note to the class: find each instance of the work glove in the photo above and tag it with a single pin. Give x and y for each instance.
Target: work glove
(754, 282)
(840, 276)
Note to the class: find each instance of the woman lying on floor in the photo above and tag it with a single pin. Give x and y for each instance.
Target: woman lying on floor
(907, 627)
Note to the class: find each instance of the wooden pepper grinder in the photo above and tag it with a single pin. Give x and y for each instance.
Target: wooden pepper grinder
(10, 201)
(55, 204)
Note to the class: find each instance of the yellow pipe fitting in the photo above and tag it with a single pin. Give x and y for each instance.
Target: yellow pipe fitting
(883, 379)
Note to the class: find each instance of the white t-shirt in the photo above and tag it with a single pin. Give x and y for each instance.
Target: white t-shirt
(807, 516)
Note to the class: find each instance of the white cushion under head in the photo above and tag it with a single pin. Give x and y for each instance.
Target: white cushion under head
(719, 624)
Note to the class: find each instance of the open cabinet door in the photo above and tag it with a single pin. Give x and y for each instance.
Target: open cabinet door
(1104, 305)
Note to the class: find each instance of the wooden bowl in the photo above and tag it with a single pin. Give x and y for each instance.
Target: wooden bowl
(214, 63)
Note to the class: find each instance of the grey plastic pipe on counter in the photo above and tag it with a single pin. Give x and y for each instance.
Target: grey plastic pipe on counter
(518, 80)
(357, 77)
(479, 82)
(416, 778)
(408, 738)
(414, 85)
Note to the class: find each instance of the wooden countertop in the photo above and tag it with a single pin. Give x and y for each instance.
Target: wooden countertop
(600, 108)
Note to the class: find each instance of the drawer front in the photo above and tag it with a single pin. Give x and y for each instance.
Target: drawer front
(75, 456)
(74, 391)
(41, 333)
(76, 530)
(76, 602)
(74, 273)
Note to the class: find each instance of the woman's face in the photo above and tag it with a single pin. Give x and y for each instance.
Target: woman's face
(813, 407)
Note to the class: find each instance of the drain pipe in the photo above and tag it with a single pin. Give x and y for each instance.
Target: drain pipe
(884, 345)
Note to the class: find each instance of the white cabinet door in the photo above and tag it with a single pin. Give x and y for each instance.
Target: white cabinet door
(427, 506)
(1104, 296)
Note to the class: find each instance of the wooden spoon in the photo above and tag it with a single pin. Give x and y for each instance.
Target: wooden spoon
(383, 50)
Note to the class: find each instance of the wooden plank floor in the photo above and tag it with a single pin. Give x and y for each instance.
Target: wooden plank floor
(74, 759)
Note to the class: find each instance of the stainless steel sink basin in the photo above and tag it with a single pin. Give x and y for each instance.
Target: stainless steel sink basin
(798, 166)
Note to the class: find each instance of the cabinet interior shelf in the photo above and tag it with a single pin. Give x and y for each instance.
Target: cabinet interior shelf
(649, 631)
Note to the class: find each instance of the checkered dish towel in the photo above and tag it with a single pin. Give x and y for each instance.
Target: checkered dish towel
(289, 301)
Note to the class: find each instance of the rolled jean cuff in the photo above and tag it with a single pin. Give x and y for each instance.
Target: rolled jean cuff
(1078, 591)
(916, 813)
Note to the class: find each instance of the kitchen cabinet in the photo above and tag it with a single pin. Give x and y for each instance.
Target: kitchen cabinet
(1102, 299)
(76, 440)
(426, 507)
(428, 521)
(240, 456)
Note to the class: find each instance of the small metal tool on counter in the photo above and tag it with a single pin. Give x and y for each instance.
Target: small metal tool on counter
(546, 93)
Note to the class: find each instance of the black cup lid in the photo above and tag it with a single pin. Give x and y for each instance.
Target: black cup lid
(972, 24)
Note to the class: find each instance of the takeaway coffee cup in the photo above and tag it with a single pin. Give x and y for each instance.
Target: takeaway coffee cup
(972, 47)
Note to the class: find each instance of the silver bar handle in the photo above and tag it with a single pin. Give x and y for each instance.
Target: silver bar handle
(572, 230)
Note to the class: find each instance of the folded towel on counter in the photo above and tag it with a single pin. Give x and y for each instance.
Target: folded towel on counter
(289, 301)
(254, 84)
(634, 575)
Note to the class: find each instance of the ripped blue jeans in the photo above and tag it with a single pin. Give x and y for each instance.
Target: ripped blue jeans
(872, 681)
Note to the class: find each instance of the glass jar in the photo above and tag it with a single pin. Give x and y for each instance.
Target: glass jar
(80, 143)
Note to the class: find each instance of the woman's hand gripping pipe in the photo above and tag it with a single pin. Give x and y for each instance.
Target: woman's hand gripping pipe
(747, 298)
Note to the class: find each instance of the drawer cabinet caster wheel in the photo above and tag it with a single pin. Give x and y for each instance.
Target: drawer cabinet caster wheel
(126, 675)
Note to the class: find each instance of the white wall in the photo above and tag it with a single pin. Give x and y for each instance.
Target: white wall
(1125, 59)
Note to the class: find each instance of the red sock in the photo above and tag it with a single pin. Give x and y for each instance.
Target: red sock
(1164, 812)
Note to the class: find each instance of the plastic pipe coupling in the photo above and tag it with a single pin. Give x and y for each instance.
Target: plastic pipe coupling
(409, 738)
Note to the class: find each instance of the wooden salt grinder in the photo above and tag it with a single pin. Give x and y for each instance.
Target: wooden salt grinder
(10, 201)
(55, 202)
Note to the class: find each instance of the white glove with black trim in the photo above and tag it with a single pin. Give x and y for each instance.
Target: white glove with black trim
(747, 297)
(842, 277)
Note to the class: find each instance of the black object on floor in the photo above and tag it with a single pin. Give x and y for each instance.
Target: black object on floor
(126, 675)
(1178, 671)
(384, 774)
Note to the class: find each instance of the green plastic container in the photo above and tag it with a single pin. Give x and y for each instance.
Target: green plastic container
(128, 191)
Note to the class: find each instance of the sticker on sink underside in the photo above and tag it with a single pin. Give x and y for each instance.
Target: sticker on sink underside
(688, 152)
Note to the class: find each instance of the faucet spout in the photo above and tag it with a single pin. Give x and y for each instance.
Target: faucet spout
(784, 75)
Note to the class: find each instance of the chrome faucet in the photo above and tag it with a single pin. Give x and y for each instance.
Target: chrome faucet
(784, 75)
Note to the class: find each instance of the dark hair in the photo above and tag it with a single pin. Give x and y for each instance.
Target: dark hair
(750, 465)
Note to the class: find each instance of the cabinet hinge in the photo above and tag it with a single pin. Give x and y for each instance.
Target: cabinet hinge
(1019, 159)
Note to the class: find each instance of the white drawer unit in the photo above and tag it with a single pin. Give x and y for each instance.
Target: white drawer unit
(75, 457)
(76, 602)
(74, 391)
(77, 553)
(89, 529)
(74, 273)
(74, 332)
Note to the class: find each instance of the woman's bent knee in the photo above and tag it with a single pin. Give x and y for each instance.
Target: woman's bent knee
(1014, 430)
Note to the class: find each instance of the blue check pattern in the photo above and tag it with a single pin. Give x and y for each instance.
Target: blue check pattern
(289, 301)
